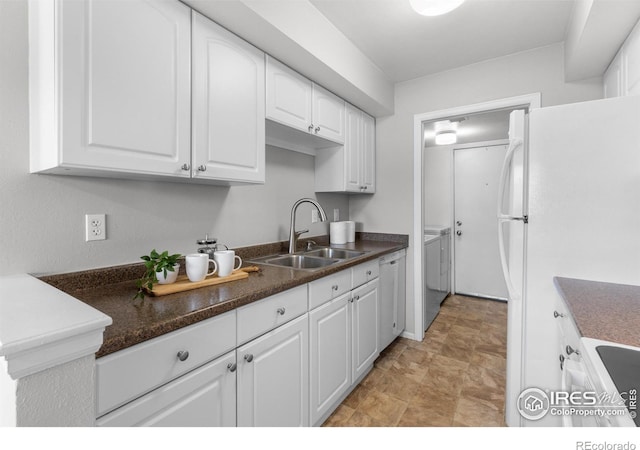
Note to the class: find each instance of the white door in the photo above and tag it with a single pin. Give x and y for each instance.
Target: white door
(477, 258)
(228, 105)
(273, 378)
(288, 96)
(126, 103)
(364, 327)
(330, 355)
(328, 115)
(205, 397)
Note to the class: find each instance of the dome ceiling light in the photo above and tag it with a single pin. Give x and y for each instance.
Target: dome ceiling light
(434, 7)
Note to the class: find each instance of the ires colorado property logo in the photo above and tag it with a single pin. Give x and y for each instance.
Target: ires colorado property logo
(534, 404)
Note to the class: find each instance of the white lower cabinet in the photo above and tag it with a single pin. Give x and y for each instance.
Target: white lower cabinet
(344, 334)
(273, 378)
(364, 328)
(330, 355)
(292, 368)
(205, 397)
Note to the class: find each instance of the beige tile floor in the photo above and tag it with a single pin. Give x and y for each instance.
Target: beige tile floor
(455, 377)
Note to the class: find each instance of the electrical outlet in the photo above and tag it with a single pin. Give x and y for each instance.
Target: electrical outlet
(336, 215)
(314, 216)
(95, 227)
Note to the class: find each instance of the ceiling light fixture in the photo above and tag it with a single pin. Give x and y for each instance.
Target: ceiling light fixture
(434, 7)
(446, 132)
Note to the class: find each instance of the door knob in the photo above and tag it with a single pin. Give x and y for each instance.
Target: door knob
(459, 233)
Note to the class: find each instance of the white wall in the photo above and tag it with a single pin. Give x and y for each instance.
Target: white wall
(42, 216)
(391, 208)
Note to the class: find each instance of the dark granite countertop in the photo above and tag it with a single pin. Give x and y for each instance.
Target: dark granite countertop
(606, 311)
(111, 291)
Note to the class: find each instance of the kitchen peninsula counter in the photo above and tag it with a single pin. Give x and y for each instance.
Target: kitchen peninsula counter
(605, 311)
(111, 291)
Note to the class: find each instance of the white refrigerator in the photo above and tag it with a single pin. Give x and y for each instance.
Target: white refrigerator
(569, 206)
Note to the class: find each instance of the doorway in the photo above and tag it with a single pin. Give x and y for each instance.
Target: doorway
(415, 329)
(476, 266)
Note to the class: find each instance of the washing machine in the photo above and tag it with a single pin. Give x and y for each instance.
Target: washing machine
(444, 282)
(431, 277)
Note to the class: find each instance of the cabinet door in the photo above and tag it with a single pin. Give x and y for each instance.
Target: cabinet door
(273, 378)
(613, 78)
(204, 397)
(330, 355)
(328, 115)
(125, 95)
(228, 105)
(388, 300)
(364, 327)
(631, 52)
(288, 96)
(352, 148)
(368, 158)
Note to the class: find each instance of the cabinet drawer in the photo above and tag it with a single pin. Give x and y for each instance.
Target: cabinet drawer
(264, 315)
(364, 273)
(129, 373)
(327, 288)
(204, 397)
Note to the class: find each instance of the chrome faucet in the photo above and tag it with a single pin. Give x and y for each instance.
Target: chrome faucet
(293, 234)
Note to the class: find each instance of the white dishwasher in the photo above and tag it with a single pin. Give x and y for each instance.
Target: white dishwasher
(431, 301)
(392, 295)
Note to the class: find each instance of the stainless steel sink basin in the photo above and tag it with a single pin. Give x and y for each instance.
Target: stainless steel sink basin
(297, 261)
(337, 253)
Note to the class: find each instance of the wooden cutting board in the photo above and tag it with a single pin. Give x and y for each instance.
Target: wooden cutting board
(183, 283)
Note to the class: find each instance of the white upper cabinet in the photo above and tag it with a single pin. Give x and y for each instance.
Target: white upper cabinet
(228, 105)
(328, 114)
(295, 102)
(289, 96)
(114, 85)
(110, 87)
(351, 168)
(623, 75)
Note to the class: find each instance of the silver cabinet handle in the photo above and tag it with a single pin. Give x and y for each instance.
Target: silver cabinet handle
(281, 311)
(571, 350)
(232, 367)
(202, 168)
(334, 287)
(357, 297)
(317, 129)
(183, 355)
(458, 223)
(556, 314)
(185, 166)
(365, 188)
(561, 357)
(459, 233)
(310, 128)
(248, 358)
(368, 272)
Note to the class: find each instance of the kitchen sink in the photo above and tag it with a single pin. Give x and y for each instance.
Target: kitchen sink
(297, 261)
(337, 253)
(311, 260)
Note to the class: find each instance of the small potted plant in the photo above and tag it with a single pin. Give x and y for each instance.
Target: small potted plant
(160, 268)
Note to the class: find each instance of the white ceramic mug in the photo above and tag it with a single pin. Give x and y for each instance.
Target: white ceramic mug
(198, 266)
(225, 260)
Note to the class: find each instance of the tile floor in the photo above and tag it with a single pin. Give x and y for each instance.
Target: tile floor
(455, 377)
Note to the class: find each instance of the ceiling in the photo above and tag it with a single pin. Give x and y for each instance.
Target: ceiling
(490, 126)
(406, 45)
